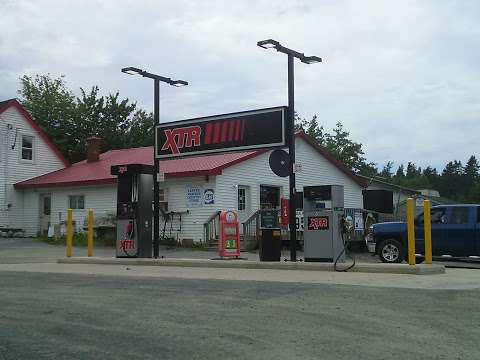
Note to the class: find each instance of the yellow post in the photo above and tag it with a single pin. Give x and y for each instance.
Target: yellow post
(90, 233)
(410, 232)
(69, 232)
(428, 231)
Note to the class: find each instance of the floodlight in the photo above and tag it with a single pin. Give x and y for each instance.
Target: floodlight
(311, 59)
(268, 44)
(178, 83)
(132, 70)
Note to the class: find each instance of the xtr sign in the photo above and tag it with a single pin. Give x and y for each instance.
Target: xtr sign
(264, 128)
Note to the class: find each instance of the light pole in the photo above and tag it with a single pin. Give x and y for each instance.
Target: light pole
(156, 164)
(272, 44)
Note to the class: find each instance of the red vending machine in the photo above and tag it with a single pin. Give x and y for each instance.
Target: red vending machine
(229, 242)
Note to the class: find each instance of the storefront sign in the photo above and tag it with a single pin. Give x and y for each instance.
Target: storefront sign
(193, 196)
(247, 130)
(318, 223)
(209, 196)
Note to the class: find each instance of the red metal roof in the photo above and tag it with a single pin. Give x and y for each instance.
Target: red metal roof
(98, 172)
(83, 173)
(4, 105)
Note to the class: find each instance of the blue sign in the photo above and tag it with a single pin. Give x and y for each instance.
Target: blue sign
(209, 196)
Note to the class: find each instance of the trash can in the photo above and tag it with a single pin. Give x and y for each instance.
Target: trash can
(270, 244)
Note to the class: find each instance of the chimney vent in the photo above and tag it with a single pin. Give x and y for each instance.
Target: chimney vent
(93, 148)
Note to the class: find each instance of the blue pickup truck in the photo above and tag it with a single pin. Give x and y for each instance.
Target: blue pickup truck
(455, 232)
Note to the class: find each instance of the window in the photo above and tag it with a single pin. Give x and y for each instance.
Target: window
(242, 198)
(76, 201)
(459, 215)
(437, 216)
(163, 199)
(27, 147)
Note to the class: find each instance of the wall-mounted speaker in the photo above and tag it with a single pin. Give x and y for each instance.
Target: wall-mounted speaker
(280, 163)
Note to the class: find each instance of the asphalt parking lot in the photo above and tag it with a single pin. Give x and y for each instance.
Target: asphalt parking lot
(60, 311)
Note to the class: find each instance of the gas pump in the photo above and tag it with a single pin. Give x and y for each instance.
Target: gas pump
(134, 210)
(323, 223)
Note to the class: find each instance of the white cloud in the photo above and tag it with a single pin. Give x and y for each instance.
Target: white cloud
(402, 76)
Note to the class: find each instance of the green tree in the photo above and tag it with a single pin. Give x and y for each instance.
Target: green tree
(339, 144)
(386, 172)
(69, 121)
(400, 174)
(52, 106)
(452, 180)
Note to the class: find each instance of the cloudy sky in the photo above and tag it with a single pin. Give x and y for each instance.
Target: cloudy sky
(402, 76)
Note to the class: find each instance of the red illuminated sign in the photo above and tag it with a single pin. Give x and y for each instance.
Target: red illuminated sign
(264, 128)
(317, 223)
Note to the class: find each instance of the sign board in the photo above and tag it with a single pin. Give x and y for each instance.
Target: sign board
(256, 129)
(358, 219)
(209, 196)
(299, 220)
(317, 223)
(269, 219)
(193, 196)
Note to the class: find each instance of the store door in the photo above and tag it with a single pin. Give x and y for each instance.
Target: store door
(45, 212)
(269, 197)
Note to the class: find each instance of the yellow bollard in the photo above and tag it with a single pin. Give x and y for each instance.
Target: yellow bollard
(410, 232)
(90, 233)
(69, 232)
(428, 231)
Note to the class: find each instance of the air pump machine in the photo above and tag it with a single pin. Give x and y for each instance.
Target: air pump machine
(323, 215)
(134, 210)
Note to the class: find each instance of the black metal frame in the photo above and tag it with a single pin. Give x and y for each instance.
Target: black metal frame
(273, 44)
(156, 165)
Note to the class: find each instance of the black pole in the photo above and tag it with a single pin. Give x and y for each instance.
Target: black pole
(291, 152)
(156, 166)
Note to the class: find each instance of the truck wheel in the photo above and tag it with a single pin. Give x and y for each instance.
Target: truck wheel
(391, 251)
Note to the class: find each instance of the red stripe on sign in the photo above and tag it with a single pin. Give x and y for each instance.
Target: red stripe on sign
(231, 130)
(237, 129)
(208, 134)
(224, 131)
(216, 132)
(243, 130)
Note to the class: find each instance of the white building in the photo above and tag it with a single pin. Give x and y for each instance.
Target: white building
(241, 180)
(25, 152)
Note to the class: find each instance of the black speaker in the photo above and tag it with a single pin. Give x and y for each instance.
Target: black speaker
(280, 163)
(378, 200)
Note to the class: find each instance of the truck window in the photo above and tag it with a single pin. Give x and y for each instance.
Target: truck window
(459, 215)
(436, 215)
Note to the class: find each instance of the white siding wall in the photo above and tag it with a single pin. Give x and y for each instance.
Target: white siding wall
(192, 223)
(316, 170)
(319, 171)
(13, 169)
(102, 199)
(252, 173)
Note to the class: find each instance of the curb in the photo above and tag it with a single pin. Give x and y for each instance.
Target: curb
(420, 269)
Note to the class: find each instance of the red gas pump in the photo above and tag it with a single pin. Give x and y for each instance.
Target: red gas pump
(229, 242)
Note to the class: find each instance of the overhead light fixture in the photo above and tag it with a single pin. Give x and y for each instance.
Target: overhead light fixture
(311, 59)
(132, 70)
(268, 44)
(178, 83)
